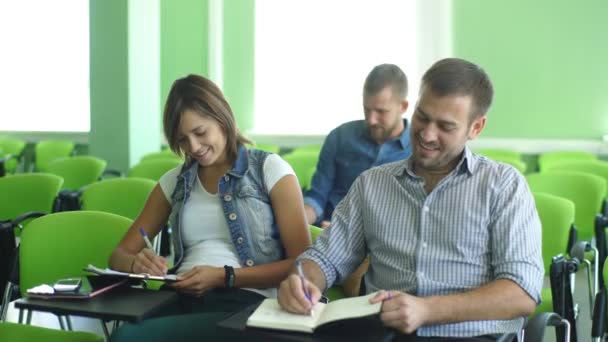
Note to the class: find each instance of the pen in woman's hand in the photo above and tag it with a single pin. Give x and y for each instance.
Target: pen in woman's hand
(146, 239)
(306, 293)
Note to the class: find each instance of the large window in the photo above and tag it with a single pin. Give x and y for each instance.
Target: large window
(44, 65)
(312, 57)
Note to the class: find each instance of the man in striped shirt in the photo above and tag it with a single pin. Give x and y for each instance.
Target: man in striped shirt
(454, 238)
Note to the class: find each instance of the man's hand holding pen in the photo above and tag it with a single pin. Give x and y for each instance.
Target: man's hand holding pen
(298, 295)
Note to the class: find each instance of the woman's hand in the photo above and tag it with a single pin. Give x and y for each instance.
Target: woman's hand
(199, 280)
(148, 262)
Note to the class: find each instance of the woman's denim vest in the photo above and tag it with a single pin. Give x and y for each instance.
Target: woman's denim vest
(247, 210)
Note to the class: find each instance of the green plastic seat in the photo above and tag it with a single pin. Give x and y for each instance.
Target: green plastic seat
(165, 154)
(272, 148)
(60, 245)
(25, 333)
(316, 148)
(499, 153)
(153, 169)
(13, 147)
(49, 150)
(549, 160)
(28, 192)
(121, 196)
(556, 217)
(585, 190)
(334, 292)
(518, 164)
(77, 171)
(302, 162)
(595, 167)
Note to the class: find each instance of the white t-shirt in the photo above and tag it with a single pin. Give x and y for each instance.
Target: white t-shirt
(205, 233)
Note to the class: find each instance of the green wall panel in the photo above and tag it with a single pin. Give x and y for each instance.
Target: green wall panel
(547, 59)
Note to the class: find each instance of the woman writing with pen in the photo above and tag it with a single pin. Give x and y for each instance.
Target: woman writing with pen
(237, 217)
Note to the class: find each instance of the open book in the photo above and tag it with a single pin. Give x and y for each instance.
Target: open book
(109, 272)
(90, 287)
(270, 315)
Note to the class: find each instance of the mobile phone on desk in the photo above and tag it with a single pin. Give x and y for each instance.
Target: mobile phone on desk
(67, 285)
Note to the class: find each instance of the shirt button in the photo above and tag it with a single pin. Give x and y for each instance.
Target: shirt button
(426, 209)
(424, 245)
(421, 274)
(226, 178)
(227, 198)
(249, 262)
(240, 240)
(232, 216)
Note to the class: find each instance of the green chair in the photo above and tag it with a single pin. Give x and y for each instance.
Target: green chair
(272, 148)
(165, 154)
(25, 333)
(153, 169)
(549, 160)
(316, 148)
(586, 191)
(556, 217)
(12, 149)
(60, 245)
(595, 167)
(49, 150)
(302, 162)
(77, 171)
(498, 153)
(334, 292)
(23, 196)
(516, 163)
(121, 196)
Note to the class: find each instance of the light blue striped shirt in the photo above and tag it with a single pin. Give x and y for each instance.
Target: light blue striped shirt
(478, 224)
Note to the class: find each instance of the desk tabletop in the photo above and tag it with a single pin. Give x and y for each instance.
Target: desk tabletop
(124, 304)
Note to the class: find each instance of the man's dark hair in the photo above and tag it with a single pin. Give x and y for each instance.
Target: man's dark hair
(455, 76)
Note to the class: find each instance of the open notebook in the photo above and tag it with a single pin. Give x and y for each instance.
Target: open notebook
(270, 315)
(109, 272)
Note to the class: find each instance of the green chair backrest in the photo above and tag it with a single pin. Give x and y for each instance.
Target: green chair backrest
(302, 162)
(13, 147)
(153, 169)
(314, 232)
(60, 245)
(48, 150)
(595, 167)
(14, 332)
(556, 217)
(120, 196)
(494, 153)
(316, 148)
(549, 160)
(165, 154)
(77, 171)
(27, 192)
(585, 190)
(272, 148)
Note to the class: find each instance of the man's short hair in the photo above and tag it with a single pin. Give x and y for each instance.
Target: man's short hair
(384, 75)
(455, 76)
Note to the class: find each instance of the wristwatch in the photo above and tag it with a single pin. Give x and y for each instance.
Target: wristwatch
(229, 277)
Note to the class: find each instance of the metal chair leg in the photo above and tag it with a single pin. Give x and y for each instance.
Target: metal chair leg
(6, 299)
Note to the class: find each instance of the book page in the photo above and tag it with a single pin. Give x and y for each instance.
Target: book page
(270, 315)
(349, 308)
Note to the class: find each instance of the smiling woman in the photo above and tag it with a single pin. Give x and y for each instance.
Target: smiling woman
(50, 53)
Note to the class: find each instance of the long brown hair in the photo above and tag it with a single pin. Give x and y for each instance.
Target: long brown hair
(202, 96)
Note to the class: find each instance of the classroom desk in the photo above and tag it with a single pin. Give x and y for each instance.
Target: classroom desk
(121, 304)
(350, 330)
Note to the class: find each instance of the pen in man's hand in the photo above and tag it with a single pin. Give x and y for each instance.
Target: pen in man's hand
(306, 293)
(146, 239)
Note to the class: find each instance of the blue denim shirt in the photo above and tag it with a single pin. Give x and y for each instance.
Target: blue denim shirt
(347, 151)
(247, 209)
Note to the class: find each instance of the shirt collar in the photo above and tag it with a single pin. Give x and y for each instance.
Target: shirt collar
(468, 163)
